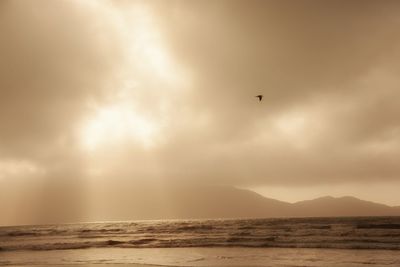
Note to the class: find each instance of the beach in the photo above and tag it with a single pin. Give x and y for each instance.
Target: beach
(207, 257)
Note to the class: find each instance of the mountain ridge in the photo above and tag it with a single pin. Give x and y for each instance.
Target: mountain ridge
(201, 202)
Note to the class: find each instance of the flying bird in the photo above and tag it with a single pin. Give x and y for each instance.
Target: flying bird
(260, 97)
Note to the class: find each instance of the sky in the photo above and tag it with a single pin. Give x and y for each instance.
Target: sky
(98, 93)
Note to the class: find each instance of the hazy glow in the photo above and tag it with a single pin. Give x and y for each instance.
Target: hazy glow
(118, 123)
(294, 127)
(291, 124)
(146, 45)
(12, 168)
(148, 63)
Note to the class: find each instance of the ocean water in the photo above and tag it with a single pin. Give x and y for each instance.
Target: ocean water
(361, 241)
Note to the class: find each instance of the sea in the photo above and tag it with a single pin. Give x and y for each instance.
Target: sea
(340, 241)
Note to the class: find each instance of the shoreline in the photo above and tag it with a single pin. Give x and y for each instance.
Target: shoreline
(202, 257)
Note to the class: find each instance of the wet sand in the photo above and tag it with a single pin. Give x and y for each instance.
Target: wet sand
(104, 265)
(200, 257)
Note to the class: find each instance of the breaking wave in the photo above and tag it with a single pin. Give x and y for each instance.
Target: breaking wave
(346, 233)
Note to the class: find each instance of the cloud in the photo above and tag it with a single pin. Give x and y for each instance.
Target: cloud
(164, 92)
(55, 56)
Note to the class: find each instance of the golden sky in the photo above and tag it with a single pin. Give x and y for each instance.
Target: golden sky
(94, 92)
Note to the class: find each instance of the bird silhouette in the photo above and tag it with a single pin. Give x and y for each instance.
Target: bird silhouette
(260, 97)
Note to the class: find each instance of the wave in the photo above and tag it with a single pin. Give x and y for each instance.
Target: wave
(190, 243)
(379, 226)
(346, 233)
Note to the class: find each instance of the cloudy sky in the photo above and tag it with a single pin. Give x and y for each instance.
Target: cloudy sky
(99, 92)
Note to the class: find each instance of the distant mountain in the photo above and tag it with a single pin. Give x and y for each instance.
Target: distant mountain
(225, 202)
(342, 206)
(133, 200)
(180, 202)
(183, 201)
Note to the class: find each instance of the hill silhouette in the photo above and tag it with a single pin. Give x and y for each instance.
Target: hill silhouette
(198, 202)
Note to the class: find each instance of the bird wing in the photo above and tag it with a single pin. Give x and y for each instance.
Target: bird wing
(259, 97)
